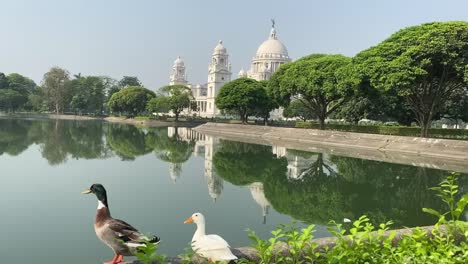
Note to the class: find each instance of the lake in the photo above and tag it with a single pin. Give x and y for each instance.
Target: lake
(157, 177)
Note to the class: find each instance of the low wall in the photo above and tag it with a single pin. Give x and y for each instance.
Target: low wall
(451, 155)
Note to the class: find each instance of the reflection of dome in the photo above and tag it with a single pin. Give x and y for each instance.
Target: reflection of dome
(219, 49)
(174, 171)
(256, 189)
(179, 62)
(272, 48)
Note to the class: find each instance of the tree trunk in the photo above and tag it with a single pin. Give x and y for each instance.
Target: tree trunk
(265, 120)
(322, 123)
(177, 117)
(425, 124)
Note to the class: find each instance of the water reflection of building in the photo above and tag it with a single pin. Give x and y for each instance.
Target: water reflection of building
(301, 165)
(256, 189)
(204, 146)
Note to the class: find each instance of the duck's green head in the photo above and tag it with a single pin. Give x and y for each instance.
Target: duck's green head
(99, 191)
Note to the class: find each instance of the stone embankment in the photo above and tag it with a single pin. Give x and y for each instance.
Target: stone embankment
(150, 123)
(451, 155)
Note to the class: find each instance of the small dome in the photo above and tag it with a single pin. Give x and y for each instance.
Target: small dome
(179, 62)
(242, 73)
(220, 49)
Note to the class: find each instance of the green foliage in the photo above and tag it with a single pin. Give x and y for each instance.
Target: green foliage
(56, 89)
(424, 64)
(131, 100)
(158, 104)
(148, 254)
(297, 108)
(322, 82)
(363, 242)
(128, 81)
(390, 130)
(245, 96)
(176, 99)
(10, 100)
(88, 94)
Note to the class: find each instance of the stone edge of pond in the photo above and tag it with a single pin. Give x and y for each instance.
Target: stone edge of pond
(446, 154)
(250, 253)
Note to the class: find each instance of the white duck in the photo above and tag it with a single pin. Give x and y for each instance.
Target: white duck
(212, 247)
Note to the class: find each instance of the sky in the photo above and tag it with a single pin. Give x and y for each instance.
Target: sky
(143, 37)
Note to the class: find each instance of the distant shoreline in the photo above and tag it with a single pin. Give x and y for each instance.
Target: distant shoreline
(110, 119)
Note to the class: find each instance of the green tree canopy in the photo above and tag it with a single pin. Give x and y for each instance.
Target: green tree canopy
(242, 95)
(176, 99)
(55, 87)
(21, 84)
(297, 108)
(4, 83)
(424, 64)
(10, 100)
(88, 94)
(159, 104)
(322, 82)
(130, 100)
(129, 81)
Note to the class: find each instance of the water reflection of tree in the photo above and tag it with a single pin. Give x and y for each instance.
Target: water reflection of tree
(336, 187)
(172, 149)
(128, 142)
(242, 163)
(57, 139)
(13, 136)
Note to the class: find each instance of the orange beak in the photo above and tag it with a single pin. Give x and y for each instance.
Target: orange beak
(189, 220)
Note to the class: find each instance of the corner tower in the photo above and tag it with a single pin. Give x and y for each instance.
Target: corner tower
(178, 75)
(219, 72)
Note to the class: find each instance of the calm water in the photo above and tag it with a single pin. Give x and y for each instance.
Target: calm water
(156, 178)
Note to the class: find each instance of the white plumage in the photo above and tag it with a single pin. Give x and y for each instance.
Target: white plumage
(212, 247)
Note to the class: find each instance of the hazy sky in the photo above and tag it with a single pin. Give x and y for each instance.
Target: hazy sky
(143, 37)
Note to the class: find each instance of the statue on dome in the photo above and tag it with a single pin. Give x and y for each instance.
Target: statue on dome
(273, 23)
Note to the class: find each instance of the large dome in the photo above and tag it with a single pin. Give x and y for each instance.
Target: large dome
(272, 48)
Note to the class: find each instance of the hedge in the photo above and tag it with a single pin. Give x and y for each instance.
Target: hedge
(391, 130)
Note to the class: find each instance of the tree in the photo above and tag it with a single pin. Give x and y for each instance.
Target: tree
(131, 100)
(158, 104)
(130, 81)
(424, 64)
(322, 82)
(297, 108)
(177, 98)
(55, 88)
(456, 107)
(242, 95)
(10, 100)
(21, 84)
(88, 94)
(4, 83)
(265, 103)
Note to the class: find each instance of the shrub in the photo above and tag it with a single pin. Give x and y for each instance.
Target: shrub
(390, 130)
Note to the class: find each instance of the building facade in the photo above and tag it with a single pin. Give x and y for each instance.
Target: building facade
(270, 55)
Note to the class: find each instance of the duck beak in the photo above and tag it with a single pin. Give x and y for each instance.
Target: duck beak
(86, 191)
(189, 220)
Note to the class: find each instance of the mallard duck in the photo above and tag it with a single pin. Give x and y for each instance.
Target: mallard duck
(121, 237)
(212, 247)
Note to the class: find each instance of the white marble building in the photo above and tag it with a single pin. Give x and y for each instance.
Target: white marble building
(270, 55)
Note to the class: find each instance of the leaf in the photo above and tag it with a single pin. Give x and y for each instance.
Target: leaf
(432, 212)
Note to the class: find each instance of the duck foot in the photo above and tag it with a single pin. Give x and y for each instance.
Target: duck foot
(117, 259)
